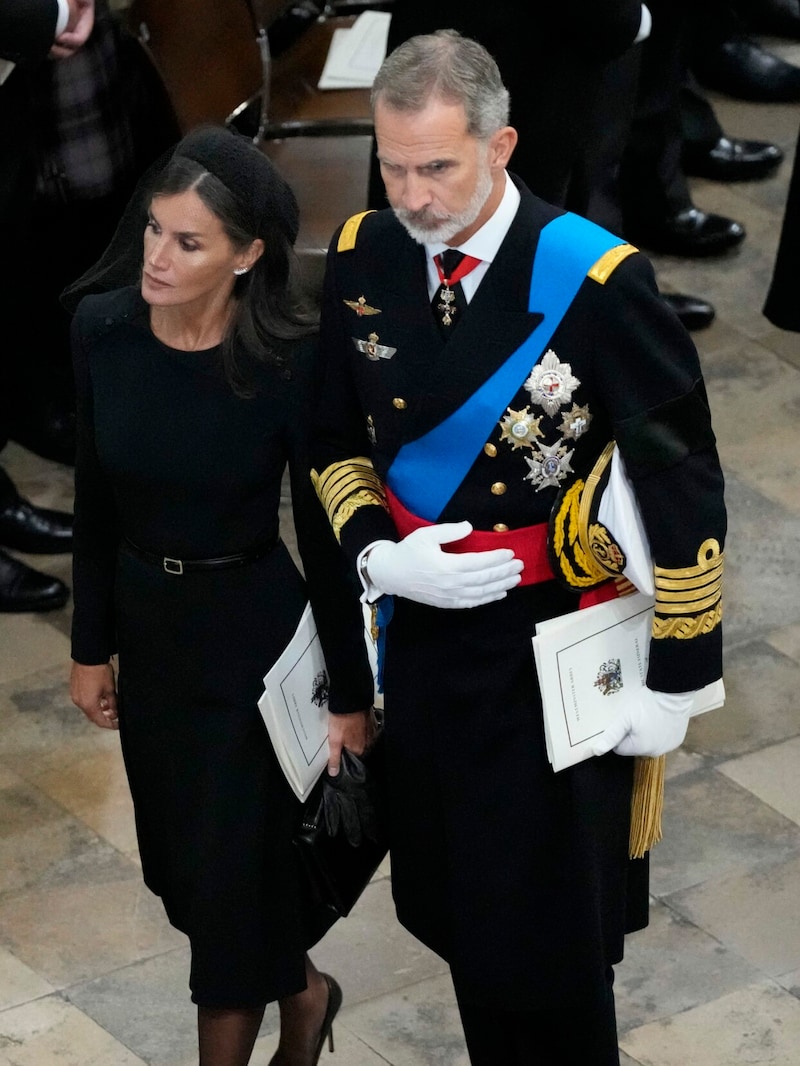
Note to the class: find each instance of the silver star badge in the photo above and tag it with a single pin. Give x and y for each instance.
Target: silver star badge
(551, 383)
(550, 466)
(575, 422)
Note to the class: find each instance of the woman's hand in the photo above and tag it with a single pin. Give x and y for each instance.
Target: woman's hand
(352, 731)
(93, 689)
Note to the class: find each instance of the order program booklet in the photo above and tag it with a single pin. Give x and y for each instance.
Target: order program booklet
(356, 52)
(294, 707)
(294, 704)
(590, 664)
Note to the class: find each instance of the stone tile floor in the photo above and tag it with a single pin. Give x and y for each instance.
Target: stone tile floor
(92, 975)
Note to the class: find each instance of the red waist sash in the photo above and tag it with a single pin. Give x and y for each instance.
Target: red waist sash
(528, 543)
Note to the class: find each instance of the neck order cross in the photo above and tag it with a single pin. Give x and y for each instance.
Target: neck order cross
(451, 266)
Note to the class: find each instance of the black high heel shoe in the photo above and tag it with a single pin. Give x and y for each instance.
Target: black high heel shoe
(326, 1030)
(334, 1003)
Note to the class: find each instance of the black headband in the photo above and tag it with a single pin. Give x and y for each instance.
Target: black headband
(247, 172)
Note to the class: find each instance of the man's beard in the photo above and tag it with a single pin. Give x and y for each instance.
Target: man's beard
(426, 227)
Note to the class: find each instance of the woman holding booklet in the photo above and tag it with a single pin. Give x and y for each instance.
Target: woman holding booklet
(195, 363)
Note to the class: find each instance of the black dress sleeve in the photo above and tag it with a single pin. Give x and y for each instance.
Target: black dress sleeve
(96, 526)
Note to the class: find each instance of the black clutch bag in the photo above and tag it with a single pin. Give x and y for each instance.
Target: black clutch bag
(342, 838)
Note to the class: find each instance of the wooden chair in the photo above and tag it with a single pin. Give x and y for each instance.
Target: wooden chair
(215, 60)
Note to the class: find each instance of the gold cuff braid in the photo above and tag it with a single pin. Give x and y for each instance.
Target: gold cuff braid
(688, 598)
(345, 487)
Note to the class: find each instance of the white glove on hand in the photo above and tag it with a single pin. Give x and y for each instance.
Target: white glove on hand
(656, 724)
(418, 569)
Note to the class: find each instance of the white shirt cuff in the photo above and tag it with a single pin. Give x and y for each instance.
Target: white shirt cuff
(645, 25)
(369, 593)
(63, 17)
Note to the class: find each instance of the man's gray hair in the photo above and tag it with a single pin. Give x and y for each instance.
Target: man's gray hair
(449, 67)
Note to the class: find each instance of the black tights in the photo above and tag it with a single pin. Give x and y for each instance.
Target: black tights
(568, 1036)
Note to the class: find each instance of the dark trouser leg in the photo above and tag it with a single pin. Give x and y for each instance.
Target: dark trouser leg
(573, 1035)
(595, 190)
(652, 183)
(699, 122)
(8, 492)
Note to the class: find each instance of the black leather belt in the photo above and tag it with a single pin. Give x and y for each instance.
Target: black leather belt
(188, 566)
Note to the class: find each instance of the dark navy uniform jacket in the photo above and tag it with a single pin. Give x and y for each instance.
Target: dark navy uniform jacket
(638, 376)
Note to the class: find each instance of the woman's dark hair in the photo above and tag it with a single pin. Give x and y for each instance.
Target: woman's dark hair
(272, 305)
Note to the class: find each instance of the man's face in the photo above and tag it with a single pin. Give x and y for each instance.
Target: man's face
(442, 183)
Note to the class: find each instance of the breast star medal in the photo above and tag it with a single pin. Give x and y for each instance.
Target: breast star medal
(520, 428)
(551, 383)
(550, 466)
(575, 422)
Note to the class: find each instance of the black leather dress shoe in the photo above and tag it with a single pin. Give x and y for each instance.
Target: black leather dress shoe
(731, 159)
(689, 233)
(693, 312)
(27, 528)
(741, 68)
(24, 589)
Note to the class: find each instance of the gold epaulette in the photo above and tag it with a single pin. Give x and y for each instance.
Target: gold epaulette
(345, 487)
(688, 599)
(608, 263)
(347, 238)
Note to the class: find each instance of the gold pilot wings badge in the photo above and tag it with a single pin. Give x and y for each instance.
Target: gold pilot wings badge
(361, 307)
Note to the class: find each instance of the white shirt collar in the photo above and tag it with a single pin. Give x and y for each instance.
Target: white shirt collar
(482, 245)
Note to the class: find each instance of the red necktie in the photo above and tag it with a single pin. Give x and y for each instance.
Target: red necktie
(449, 302)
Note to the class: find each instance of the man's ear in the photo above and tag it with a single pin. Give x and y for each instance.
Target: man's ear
(502, 145)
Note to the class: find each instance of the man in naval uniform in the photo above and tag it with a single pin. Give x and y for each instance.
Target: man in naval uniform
(459, 423)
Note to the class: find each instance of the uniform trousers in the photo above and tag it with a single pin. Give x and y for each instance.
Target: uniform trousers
(575, 1035)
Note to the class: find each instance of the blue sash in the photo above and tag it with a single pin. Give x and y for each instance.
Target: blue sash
(426, 472)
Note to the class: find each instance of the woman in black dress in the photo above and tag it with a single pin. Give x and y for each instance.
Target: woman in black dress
(194, 390)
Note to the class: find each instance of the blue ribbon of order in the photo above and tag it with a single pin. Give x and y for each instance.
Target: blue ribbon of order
(426, 472)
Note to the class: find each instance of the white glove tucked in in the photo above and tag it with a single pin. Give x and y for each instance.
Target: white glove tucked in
(418, 569)
(654, 725)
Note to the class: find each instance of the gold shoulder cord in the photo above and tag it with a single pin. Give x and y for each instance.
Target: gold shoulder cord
(647, 804)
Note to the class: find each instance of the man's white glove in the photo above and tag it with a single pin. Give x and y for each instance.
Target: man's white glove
(654, 725)
(418, 569)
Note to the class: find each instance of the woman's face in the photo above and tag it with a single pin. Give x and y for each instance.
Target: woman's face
(188, 257)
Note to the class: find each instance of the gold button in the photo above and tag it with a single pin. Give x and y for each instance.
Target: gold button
(490, 450)
(399, 403)
(498, 488)
(500, 527)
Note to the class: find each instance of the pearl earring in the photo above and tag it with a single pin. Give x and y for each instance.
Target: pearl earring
(240, 270)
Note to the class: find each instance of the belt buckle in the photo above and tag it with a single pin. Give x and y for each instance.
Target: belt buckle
(172, 566)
